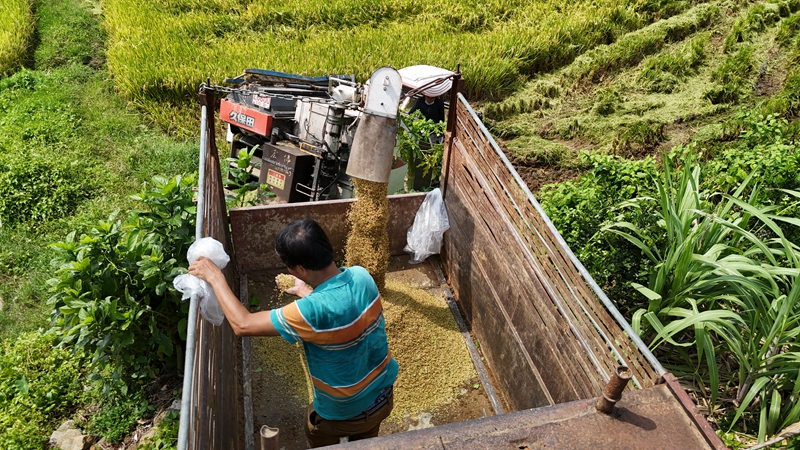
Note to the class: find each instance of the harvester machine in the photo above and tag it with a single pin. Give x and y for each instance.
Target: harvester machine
(310, 135)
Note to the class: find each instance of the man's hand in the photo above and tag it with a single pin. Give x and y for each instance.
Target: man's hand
(206, 270)
(299, 289)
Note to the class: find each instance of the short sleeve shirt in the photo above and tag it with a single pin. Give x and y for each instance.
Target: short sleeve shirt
(342, 328)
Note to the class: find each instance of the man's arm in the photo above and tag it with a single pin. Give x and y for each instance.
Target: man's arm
(243, 322)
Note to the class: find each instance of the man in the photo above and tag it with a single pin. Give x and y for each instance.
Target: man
(340, 323)
(432, 108)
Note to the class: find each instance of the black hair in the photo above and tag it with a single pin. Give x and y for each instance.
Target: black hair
(304, 242)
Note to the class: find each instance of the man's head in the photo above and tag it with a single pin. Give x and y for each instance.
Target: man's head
(304, 243)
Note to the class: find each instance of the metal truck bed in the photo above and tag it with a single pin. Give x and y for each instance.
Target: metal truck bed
(548, 333)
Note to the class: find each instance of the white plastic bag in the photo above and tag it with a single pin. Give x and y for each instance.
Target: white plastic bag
(425, 235)
(189, 284)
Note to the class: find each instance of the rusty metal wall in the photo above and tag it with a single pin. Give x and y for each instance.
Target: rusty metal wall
(255, 228)
(216, 411)
(539, 321)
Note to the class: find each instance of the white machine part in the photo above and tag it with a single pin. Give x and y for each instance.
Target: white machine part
(384, 92)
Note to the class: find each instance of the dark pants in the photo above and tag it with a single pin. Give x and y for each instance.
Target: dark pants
(322, 432)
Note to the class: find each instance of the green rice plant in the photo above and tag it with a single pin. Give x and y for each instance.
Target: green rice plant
(724, 282)
(538, 151)
(159, 52)
(16, 31)
(607, 101)
(639, 136)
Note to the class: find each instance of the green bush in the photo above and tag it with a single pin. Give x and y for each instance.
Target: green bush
(113, 293)
(724, 285)
(39, 384)
(37, 189)
(578, 208)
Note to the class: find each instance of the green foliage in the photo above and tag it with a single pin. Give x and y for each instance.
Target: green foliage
(166, 436)
(113, 295)
(17, 25)
(578, 208)
(38, 384)
(240, 176)
(725, 281)
(38, 189)
(416, 146)
(117, 416)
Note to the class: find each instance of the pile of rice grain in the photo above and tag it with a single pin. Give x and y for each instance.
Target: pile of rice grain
(427, 344)
(285, 282)
(368, 242)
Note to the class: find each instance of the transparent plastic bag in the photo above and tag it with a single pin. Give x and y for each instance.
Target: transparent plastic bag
(189, 284)
(425, 235)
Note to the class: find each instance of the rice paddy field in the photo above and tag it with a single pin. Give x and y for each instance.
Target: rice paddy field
(16, 29)
(159, 51)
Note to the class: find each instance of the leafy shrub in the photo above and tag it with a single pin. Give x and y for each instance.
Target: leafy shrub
(245, 191)
(724, 284)
(416, 146)
(578, 209)
(113, 293)
(38, 384)
(36, 189)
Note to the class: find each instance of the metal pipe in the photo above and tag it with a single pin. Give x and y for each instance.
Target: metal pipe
(188, 364)
(269, 438)
(613, 390)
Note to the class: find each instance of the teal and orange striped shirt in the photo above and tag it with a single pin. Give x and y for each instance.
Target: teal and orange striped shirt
(342, 328)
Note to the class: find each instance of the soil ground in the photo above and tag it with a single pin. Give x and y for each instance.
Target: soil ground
(279, 382)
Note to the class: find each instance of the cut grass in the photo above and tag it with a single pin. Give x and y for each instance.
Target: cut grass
(680, 88)
(16, 31)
